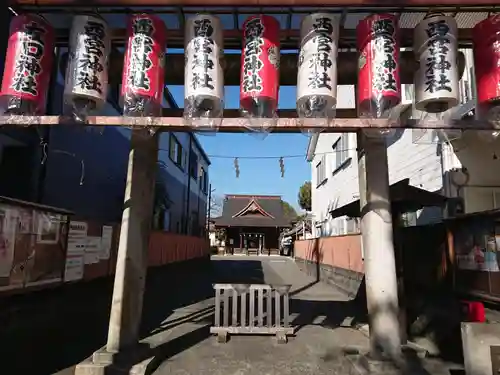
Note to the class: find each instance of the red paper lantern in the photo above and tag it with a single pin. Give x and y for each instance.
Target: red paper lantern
(260, 60)
(486, 38)
(28, 65)
(143, 69)
(379, 85)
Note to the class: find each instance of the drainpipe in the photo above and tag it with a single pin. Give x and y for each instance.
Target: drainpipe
(311, 147)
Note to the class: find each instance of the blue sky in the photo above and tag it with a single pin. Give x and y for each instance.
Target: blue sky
(257, 176)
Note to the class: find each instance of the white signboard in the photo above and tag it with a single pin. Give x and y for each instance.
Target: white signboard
(74, 269)
(93, 250)
(77, 238)
(106, 241)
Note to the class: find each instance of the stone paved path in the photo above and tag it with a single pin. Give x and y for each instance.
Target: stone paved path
(321, 345)
(310, 352)
(178, 312)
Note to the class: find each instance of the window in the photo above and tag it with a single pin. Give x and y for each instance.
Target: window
(353, 225)
(408, 93)
(467, 93)
(48, 228)
(175, 151)
(496, 200)
(193, 164)
(472, 77)
(341, 148)
(320, 171)
(203, 180)
(464, 91)
(340, 227)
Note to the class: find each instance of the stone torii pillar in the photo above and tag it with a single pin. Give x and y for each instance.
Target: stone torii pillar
(132, 262)
(378, 246)
(132, 257)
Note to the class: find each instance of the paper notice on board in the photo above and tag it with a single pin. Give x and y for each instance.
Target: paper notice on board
(74, 269)
(106, 241)
(93, 250)
(77, 238)
(8, 226)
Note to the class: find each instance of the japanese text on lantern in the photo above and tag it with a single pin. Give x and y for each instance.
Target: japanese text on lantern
(90, 60)
(437, 66)
(384, 64)
(140, 61)
(202, 63)
(28, 65)
(320, 61)
(252, 65)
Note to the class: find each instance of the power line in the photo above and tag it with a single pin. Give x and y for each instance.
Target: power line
(278, 156)
(274, 156)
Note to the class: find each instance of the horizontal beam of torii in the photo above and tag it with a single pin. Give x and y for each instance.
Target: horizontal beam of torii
(287, 123)
(257, 3)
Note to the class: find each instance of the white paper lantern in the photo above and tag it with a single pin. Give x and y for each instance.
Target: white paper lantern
(203, 75)
(435, 47)
(317, 70)
(86, 82)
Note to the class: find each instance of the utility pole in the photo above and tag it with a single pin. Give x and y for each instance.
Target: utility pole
(187, 216)
(209, 205)
(210, 202)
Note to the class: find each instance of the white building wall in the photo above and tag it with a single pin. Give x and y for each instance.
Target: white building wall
(417, 157)
(421, 163)
(340, 184)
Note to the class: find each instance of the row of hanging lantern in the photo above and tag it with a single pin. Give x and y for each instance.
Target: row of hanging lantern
(29, 59)
(436, 78)
(486, 38)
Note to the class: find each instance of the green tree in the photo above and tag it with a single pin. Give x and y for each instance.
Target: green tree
(304, 197)
(216, 205)
(288, 211)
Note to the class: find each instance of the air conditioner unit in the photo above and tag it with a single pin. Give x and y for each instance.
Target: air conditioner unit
(455, 206)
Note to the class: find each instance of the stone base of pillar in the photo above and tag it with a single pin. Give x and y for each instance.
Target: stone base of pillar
(133, 361)
(409, 363)
(365, 365)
